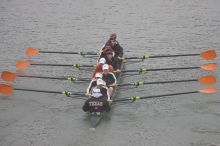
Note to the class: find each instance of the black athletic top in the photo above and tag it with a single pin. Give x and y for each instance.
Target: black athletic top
(109, 78)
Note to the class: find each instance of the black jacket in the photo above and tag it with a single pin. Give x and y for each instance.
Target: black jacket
(114, 63)
(109, 79)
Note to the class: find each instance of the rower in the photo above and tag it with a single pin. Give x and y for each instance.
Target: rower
(93, 82)
(110, 60)
(99, 94)
(103, 90)
(109, 78)
(106, 48)
(98, 67)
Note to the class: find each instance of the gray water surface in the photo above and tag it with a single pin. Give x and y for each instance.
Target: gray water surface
(143, 26)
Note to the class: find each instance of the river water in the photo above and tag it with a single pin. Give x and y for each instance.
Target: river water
(142, 26)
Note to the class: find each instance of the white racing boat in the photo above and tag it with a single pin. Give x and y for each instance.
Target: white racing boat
(96, 112)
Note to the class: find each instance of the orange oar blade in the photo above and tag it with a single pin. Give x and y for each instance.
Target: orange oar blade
(210, 79)
(6, 89)
(22, 64)
(8, 76)
(208, 90)
(210, 54)
(209, 67)
(32, 52)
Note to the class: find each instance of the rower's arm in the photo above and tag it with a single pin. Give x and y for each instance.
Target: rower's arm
(105, 92)
(108, 95)
(114, 78)
(89, 87)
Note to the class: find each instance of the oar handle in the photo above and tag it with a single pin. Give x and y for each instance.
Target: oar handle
(130, 58)
(71, 78)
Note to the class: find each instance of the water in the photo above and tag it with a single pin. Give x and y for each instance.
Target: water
(143, 26)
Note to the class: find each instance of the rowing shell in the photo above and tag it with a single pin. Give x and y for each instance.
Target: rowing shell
(96, 117)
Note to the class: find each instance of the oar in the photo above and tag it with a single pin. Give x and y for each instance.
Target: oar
(8, 89)
(23, 64)
(71, 65)
(209, 55)
(10, 77)
(134, 98)
(35, 51)
(208, 67)
(209, 79)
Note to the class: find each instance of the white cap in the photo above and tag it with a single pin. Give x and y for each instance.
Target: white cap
(102, 60)
(105, 66)
(98, 75)
(99, 82)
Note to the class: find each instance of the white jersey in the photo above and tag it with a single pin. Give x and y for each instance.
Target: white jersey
(103, 92)
(96, 92)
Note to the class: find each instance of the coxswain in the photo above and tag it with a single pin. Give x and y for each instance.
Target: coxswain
(118, 50)
(109, 78)
(99, 93)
